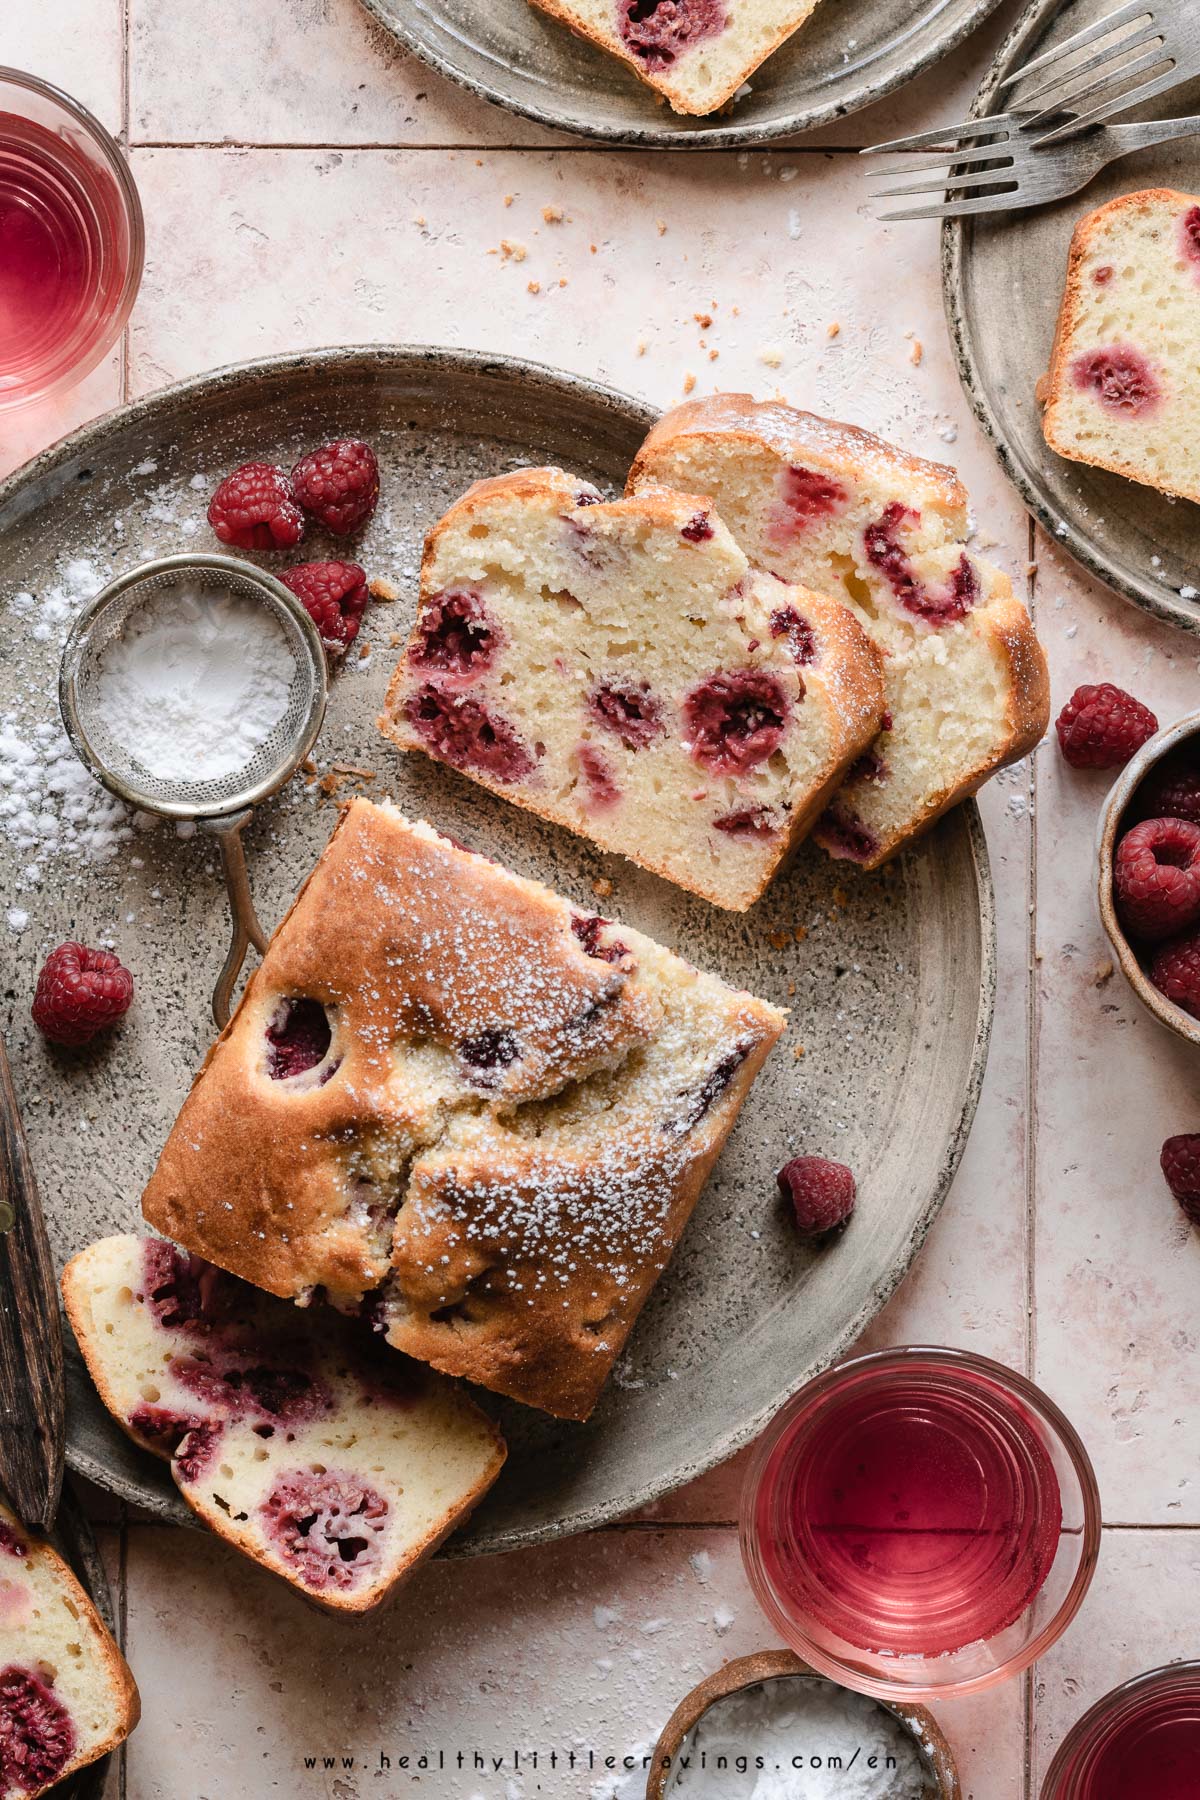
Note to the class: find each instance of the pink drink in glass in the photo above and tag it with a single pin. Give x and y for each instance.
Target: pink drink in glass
(70, 241)
(920, 1521)
(1142, 1739)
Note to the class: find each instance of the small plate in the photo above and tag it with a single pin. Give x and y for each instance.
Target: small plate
(890, 977)
(1003, 276)
(850, 53)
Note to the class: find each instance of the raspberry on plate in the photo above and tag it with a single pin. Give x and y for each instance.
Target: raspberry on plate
(1180, 1162)
(1156, 878)
(334, 595)
(1175, 972)
(339, 485)
(822, 1193)
(1101, 727)
(255, 509)
(79, 993)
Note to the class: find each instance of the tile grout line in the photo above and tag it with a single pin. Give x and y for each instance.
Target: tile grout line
(126, 134)
(123, 1627)
(377, 144)
(1032, 1025)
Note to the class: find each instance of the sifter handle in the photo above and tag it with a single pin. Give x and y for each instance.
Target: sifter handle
(246, 928)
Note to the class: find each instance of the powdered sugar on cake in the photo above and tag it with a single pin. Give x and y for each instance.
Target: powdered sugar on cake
(517, 1107)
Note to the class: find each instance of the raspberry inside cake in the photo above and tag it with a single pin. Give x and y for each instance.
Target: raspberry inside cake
(1124, 379)
(812, 501)
(66, 1694)
(696, 53)
(313, 1450)
(494, 1152)
(619, 669)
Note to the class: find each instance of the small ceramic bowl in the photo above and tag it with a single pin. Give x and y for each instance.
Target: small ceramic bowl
(1154, 751)
(771, 1665)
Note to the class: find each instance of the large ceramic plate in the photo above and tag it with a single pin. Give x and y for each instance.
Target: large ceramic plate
(1003, 277)
(890, 978)
(850, 53)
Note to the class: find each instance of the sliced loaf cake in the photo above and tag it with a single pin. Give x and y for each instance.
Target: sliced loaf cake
(66, 1694)
(312, 1449)
(620, 669)
(1124, 377)
(695, 53)
(828, 505)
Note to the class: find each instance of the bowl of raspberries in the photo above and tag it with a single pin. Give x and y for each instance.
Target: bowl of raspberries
(1149, 869)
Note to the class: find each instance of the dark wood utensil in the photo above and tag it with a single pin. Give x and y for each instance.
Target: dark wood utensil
(32, 1412)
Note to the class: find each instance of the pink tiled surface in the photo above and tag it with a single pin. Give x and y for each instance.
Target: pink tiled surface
(305, 183)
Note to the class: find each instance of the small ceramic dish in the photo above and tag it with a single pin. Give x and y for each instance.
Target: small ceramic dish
(937, 1759)
(1153, 752)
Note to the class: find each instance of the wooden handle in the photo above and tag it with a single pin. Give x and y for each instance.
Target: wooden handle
(32, 1424)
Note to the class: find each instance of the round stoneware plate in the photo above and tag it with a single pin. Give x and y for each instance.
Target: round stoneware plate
(889, 977)
(849, 53)
(1003, 278)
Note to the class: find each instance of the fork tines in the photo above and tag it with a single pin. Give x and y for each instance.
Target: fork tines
(1131, 42)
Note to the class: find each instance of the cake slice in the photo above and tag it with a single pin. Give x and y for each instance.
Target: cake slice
(453, 1101)
(619, 669)
(66, 1694)
(1124, 381)
(965, 682)
(695, 53)
(296, 1437)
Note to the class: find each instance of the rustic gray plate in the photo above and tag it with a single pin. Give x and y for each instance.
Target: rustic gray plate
(850, 53)
(893, 975)
(1003, 279)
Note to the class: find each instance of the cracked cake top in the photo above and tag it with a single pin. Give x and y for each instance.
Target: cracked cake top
(450, 1099)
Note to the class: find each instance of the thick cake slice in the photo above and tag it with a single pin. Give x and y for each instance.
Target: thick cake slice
(965, 683)
(1124, 382)
(618, 668)
(332, 1462)
(452, 1100)
(696, 53)
(66, 1695)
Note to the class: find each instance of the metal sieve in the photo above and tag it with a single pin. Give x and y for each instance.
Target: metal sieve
(223, 804)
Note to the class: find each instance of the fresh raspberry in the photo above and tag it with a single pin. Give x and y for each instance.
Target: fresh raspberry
(1101, 727)
(1175, 972)
(339, 485)
(822, 1193)
(1156, 878)
(80, 992)
(256, 509)
(1180, 1162)
(334, 595)
(1170, 793)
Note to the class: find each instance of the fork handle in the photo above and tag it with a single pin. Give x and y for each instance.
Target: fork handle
(1157, 131)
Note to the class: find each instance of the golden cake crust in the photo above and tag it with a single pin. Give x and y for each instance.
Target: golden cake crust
(850, 676)
(1057, 379)
(847, 451)
(459, 1191)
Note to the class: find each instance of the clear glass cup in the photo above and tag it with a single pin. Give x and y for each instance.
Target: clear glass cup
(1143, 1738)
(953, 1576)
(71, 240)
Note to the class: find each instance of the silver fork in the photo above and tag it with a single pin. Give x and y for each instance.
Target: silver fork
(1019, 170)
(1157, 39)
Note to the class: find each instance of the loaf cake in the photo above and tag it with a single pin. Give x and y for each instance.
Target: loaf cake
(1125, 375)
(965, 682)
(695, 53)
(454, 1102)
(619, 669)
(297, 1437)
(66, 1695)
